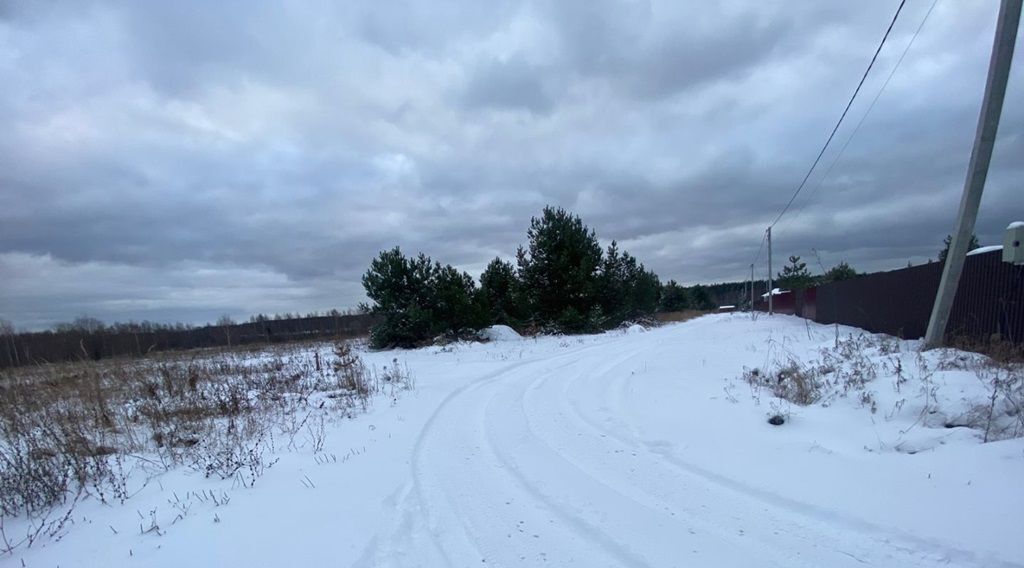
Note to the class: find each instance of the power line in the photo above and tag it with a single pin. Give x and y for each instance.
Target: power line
(846, 110)
(764, 237)
(856, 129)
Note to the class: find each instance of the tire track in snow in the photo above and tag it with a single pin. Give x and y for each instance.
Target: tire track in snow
(797, 520)
(540, 461)
(412, 521)
(575, 515)
(553, 535)
(427, 514)
(524, 442)
(613, 512)
(665, 488)
(646, 520)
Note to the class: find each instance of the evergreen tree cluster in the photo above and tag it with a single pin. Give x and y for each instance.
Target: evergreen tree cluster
(419, 299)
(676, 298)
(795, 275)
(946, 242)
(562, 281)
(841, 271)
(673, 297)
(700, 298)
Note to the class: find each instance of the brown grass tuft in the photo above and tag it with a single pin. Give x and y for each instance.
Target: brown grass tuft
(673, 317)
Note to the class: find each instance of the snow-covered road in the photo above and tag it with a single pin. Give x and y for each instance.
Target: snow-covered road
(639, 448)
(547, 461)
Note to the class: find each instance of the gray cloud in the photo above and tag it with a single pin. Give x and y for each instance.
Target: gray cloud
(181, 160)
(509, 84)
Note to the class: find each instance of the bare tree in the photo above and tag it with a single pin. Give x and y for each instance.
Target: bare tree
(81, 323)
(7, 336)
(225, 322)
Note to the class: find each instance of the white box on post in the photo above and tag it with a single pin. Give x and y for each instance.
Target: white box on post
(1013, 251)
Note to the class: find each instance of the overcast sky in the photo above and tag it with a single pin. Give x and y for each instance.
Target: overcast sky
(176, 161)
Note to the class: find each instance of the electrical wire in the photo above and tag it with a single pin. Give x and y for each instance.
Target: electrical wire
(764, 238)
(841, 117)
(856, 129)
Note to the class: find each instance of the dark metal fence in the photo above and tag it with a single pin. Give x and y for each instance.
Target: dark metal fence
(989, 302)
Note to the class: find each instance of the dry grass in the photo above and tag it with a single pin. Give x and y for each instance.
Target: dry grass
(850, 366)
(685, 315)
(997, 349)
(76, 429)
(790, 381)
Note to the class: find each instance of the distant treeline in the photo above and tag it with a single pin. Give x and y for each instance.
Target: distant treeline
(734, 293)
(794, 276)
(88, 338)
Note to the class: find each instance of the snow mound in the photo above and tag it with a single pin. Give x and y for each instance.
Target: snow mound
(635, 328)
(775, 292)
(500, 333)
(983, 250)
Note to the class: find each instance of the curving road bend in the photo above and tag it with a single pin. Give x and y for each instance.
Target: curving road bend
(546, 461)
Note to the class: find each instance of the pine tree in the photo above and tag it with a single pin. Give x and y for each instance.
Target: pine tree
(673, 298)
(973, 244)
(841, 271)
(500, 293)
(642, 288)
(454, 303)
(612, 294)
(399, 288)
(626, 290)
(795, 275)
(700, 299)
(419, 299)
(558, 270)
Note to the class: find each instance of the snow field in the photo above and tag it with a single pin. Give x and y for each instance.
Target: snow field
(630, 448)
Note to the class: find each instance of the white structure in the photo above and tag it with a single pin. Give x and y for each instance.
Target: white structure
(1013, 252)
(983, 250)
(775, 292)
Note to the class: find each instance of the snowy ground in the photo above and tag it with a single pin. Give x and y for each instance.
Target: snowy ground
(635, 448)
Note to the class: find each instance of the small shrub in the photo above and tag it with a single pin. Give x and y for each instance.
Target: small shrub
(1002, 416)
(31, 479)
(234, 456)
(397, 376)
(797, 384)
(791, 382)
(350, 370)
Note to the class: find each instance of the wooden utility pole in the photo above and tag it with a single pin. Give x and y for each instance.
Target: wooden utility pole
(751, 289)
(770, 282)
(977, 171)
